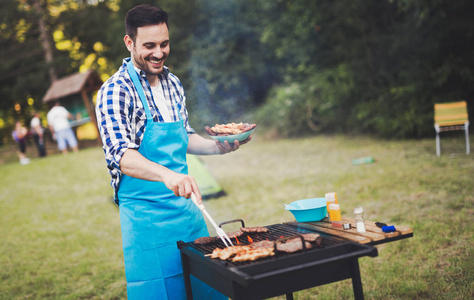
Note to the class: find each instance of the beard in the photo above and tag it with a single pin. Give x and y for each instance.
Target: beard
(148, 64)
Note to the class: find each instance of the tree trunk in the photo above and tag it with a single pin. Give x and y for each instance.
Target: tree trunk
(45, 41)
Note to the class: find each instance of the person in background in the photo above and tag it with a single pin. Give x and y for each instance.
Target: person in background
(37, 132)
(58, 121)
(19, 135)
(143, 123)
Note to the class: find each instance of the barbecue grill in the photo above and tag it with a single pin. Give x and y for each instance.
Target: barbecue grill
(284, 273)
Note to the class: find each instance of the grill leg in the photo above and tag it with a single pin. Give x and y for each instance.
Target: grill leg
(187, 277)
(289, 296)
(356, 280)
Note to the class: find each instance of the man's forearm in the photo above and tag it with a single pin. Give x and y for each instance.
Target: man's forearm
(136, 165)
(201, 146)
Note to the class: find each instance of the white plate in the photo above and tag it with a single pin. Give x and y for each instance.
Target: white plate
(231, 138)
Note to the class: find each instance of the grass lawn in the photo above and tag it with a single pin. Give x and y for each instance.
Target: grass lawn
(61, 238)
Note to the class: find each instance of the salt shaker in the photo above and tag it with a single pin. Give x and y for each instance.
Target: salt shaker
(359, 219)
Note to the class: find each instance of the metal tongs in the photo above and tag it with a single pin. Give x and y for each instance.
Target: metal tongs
(220, 232)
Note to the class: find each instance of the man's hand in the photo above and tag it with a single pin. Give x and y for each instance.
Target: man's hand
(182, 185)
(227, 147)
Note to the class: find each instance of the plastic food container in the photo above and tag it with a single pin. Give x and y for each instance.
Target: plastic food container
(308, 210)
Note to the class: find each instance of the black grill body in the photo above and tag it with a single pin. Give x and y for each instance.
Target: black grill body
(281, 274)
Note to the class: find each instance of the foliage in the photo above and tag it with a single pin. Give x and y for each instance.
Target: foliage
(401, 57)
(23, 71)
(391, 60)
(316, 104)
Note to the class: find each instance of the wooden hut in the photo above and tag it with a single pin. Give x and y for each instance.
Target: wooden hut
(75, 93)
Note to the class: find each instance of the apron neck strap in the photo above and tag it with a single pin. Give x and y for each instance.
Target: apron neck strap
(138, 86)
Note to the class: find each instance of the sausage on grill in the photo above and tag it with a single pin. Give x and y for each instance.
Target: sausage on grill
(257, 229)
(234, 234)
(205, 240)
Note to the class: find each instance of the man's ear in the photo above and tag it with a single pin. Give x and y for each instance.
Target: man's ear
(128, 43)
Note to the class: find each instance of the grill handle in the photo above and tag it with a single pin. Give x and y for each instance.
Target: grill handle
(233, 221)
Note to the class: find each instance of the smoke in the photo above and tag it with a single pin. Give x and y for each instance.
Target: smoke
(220, 63)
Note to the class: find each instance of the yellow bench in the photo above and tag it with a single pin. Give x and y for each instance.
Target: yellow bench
(449, 117)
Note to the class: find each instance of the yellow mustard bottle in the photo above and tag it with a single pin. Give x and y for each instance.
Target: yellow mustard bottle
(331, 198)
(335, 215)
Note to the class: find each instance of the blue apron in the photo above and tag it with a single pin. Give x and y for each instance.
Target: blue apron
(152, 218)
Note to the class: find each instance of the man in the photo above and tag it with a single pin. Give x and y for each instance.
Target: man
(144, 127)
(38, 134)
(58, 121)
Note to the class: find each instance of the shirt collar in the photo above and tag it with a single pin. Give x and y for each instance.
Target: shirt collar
(140, 72)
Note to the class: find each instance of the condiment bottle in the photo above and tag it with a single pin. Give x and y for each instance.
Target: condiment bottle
(335, 215)
(331, 198)
(359, 219)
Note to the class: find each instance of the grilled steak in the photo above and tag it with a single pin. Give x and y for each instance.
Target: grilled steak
(263, 245)
(257, 229)
(292, 245)
(234, 234)
(205, 240)
(312, 238)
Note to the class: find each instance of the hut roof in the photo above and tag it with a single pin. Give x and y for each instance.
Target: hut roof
(72, 84)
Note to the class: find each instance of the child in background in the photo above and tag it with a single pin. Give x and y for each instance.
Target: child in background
(19, 135)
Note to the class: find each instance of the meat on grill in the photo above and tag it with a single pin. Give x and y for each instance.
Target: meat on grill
(292, 245)
(241, 253)
(262, 248)
(228, 252)
(234, 234)
(312, 238)
(262, 245)
(253, 254)
(205, 240)
(257, 229)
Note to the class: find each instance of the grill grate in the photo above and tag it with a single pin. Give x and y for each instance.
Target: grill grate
(275, 232)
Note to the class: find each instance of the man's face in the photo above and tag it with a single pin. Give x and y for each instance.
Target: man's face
(151, 48)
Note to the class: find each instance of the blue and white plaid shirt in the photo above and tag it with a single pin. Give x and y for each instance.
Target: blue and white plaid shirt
(121, 117)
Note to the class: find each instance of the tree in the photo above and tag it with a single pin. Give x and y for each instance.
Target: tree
(31, 59)
(24, 73)
(373, 66)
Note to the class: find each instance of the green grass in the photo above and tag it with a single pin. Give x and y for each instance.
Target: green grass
(61, 238)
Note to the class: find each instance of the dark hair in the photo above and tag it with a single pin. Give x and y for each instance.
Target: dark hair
(143, 15)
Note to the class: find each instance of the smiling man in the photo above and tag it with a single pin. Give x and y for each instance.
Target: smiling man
(143, 123)
(150, 47)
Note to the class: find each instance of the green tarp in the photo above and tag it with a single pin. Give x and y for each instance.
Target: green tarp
(207, 184)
